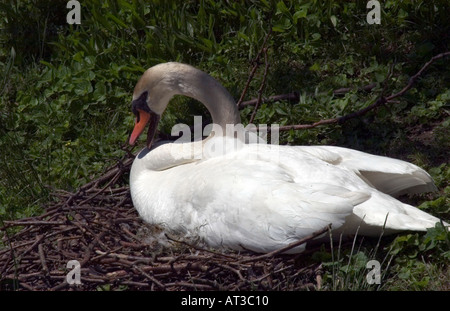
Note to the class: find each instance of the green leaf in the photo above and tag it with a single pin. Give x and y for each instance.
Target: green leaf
(300, 14)
(316, 36)
(282, 8)
(333, 20)
(315, 67)
(116, 20)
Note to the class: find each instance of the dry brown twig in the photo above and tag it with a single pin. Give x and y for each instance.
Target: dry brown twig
(263, 83)
(295, 96)
(382, 100)
(256, 62)
(290, 246)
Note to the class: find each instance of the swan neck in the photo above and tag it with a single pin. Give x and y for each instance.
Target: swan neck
(212, 94)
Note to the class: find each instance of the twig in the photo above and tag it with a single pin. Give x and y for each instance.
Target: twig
(122, 256)
(148, 276)
(253, 71)
(198, 248)
(345, 90)
(11, 223)
(235, 271)
(380, 101)
(27, 286)
(413, 79)
(113, 180)
(290, 246)
(295, 96)
(191, 285)
(42, 258)
(195, 266)
(261, 88)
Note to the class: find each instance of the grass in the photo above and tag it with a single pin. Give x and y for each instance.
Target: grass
(65, 95)
(405, 262)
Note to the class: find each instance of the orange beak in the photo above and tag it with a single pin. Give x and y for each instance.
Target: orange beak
(141, 121)
(139, 125)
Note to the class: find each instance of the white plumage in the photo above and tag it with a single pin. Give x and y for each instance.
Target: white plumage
(262, 197)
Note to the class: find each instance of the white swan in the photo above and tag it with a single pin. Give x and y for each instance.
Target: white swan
(260, 197)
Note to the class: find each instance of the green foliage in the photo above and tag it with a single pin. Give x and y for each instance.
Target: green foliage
(349, 272)
(421, 261)
(29, 26)
(440, 205)
(409, 262)
(66, 89)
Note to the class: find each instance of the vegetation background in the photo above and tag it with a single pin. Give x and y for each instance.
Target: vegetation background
(66, 92)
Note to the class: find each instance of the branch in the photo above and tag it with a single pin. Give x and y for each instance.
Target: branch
(252, 73)
(413, 79)
(380, 101)
(290, 246)
(295, 96)
(338, 120)
(261, 88)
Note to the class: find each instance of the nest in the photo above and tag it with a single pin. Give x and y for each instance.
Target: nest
(95, 240)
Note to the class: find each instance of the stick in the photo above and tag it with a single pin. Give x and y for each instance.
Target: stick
(290, 246)
(252, 73)
(295, 96)
(198, 248)
(380, 101)
(148, 276)
(413, 79)
(261, 88)
(42, 259)
(12, 223)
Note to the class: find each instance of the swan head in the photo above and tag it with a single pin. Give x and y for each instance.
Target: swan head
(143, 115)
(151, 95)
(160, 83)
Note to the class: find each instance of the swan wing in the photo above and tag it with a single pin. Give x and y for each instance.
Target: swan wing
(379, 177)
(391, 176)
